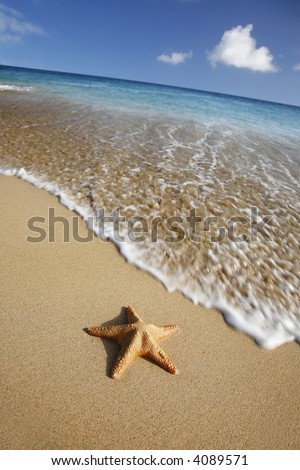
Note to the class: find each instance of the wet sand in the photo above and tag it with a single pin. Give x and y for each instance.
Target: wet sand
(154, 166)
(55, 389)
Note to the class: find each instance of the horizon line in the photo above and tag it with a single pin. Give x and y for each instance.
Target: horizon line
(155, 84)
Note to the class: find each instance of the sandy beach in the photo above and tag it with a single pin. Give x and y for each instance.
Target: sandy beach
(55, 390)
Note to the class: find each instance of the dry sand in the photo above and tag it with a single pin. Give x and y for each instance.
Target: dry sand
(55, 390)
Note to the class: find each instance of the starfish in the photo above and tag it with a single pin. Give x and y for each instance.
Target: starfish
(136, 339)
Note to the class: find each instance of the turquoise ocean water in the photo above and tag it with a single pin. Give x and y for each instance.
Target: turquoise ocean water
(157, 151)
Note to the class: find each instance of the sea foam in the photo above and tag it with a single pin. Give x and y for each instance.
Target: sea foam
(5, 87)
(272, 337)
(156, 151)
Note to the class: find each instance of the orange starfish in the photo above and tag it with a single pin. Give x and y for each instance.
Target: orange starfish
(136, 339)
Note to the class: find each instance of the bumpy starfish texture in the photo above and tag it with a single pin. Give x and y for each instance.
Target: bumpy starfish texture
(136, 339)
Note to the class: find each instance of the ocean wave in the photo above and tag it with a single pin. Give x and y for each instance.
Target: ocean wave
(153, 165)
(269, 334)
(5, 87)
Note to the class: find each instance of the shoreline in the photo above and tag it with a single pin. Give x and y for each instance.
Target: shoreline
(254, 294)
(55, 390)
(268, 339)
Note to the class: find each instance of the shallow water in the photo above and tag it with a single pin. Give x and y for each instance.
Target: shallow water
(134, 151)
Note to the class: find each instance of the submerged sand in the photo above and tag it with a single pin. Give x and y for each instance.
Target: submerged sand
(238, 182)
(55, 389)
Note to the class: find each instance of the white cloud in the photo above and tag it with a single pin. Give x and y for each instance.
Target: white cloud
(297, 67)
(13, 27)
(9, 10)
(175, 58)
(238, 48)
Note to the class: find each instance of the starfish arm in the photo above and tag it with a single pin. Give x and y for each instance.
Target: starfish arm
(124, 359)
(160, 357)
(132, 315)
(110, 331)
(160, 332)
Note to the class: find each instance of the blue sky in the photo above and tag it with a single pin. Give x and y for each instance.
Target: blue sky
(241, 47)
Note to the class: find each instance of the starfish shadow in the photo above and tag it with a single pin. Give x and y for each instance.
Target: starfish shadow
(111, 347)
